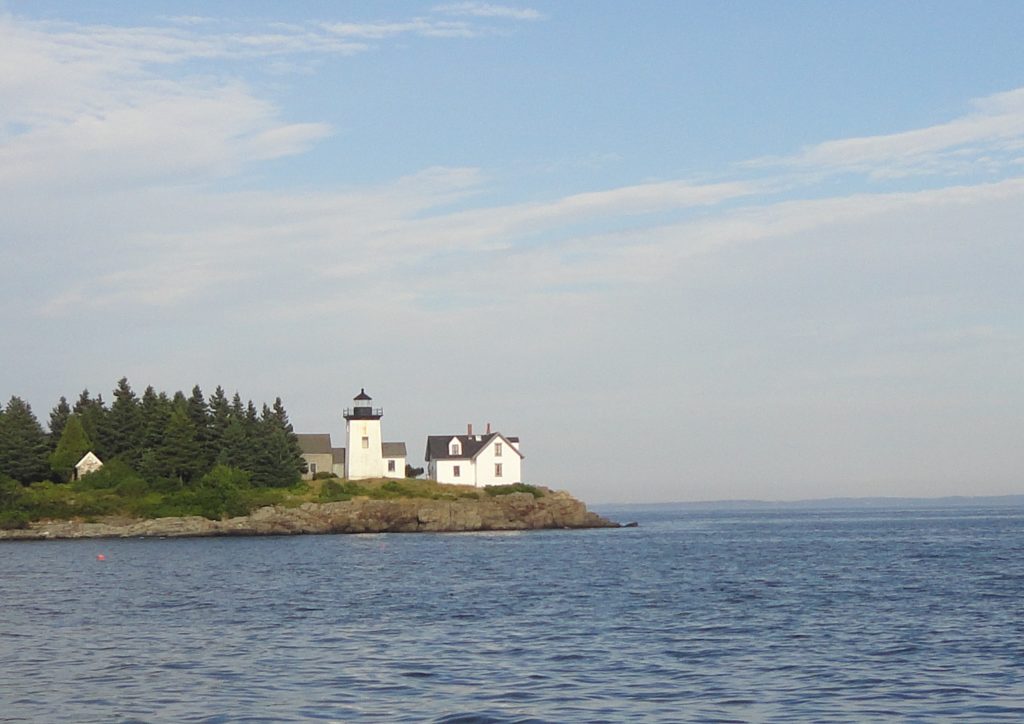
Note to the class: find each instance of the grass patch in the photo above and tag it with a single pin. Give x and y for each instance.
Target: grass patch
(513, 488)
(118, 491)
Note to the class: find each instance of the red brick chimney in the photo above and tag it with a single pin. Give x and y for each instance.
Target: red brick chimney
(469, 428)
(488, 428)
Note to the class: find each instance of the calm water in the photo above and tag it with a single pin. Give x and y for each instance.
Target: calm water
(711, 615)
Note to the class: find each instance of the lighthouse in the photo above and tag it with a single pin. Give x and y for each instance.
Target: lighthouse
(363, 458)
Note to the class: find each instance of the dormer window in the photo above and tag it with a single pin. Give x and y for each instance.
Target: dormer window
(455, 449)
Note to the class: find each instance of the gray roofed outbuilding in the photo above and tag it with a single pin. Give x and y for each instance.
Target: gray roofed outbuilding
(315, 443)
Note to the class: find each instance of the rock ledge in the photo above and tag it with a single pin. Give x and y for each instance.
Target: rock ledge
(516, 511)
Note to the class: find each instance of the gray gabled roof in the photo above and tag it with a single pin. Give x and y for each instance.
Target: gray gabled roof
(437, 445)
(315, 443)
(392, 449)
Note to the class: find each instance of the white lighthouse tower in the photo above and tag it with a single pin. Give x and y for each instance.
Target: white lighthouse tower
(363, 458)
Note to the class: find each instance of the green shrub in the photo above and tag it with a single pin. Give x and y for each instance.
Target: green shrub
(13, 520)
(132, 487)
(513, 488)
(109, 476)
(335, 490)
(11, 493)
(48, 500)
(324, 475)
(143, 506)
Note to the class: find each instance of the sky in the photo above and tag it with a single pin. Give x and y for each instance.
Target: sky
(685, 251)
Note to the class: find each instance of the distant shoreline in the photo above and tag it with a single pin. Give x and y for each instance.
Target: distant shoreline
(873, 502)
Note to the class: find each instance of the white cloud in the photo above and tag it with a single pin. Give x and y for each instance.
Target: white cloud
(488, 10)
(425, 28)
(986, 135)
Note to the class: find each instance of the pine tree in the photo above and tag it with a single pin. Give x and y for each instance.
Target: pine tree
(154, 413)
(178, 455)
(237, 408)
(235, 448)
(124, 422)
(58, 418)
(220, 417)
(73, 444)
(199, 414)
(24, 445)
(277, 462)
(93, 413)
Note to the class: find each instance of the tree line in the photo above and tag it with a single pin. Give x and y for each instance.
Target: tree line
(174, 439)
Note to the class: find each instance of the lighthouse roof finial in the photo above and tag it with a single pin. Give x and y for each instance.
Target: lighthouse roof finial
(362, 395)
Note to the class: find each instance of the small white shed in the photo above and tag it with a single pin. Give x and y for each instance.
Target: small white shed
(88, 464)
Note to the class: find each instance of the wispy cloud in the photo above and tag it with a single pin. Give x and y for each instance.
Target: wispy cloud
(419, 26)
(103, 118)
(488, 10)
(987, 138)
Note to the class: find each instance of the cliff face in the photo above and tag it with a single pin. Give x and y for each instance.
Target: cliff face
(518, 511)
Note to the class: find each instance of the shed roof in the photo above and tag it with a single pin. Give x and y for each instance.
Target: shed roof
(89, 457)
(392, 449)
(315, 443)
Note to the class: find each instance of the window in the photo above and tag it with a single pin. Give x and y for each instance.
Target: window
(456, 449)
(455, 471)
(312, 468)
(497, 470)
(391, 466)
(497, 449)
(366, 443)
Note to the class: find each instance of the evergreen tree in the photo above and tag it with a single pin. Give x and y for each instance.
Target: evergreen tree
(198, 410)
(220, 417)
(252, 417)
(24, 445)
(278, 461)
(237, 408)
(124, 422)
(235, 449)
(154, 413)
(93, 413)
(199, 414)
(58, 418)
(178, 456)
(293, 453)
(73, 444)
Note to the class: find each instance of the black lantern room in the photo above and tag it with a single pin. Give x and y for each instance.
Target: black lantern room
(362, 408)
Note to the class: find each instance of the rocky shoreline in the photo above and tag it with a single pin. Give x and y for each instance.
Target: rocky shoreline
(516, 511)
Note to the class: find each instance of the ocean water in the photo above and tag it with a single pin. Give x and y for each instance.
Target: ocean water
(696, 615)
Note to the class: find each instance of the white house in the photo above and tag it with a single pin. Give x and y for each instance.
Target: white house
(366, 455)
(488, 459)
(88, 464)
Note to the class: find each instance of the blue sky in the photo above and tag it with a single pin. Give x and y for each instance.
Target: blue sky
(686, 251)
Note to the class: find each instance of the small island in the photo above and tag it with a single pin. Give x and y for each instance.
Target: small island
(173, 466)
(407, 506)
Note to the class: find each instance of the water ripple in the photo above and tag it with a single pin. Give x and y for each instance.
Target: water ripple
(694, 616)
